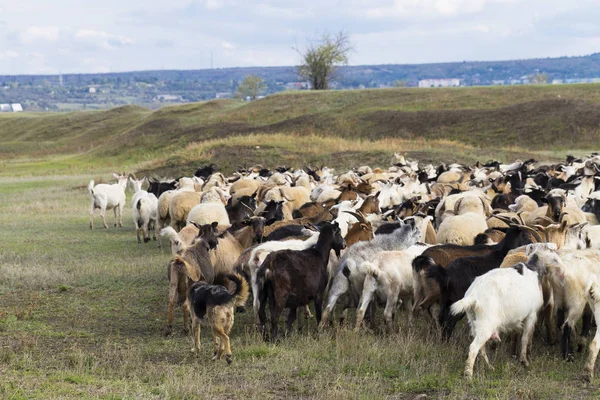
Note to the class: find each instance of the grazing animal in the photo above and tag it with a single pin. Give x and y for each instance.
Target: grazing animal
(192, 265)
(292, 279)
(108, 197)
(214, 305)
(492, 307)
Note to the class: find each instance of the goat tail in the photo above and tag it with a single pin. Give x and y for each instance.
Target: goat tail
(241, 289)
(168, 232)
(593, 291)
(264, 272)
(463, 306)
(370, 268)
(91, 187)
(422, 262)
(438, 274)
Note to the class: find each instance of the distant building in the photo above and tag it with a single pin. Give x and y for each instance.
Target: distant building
(557, 81)
(223, 95)
(15, 107)
(498, 82)
(168, 97)
(446, 82)
(92, 90)
(296, 85)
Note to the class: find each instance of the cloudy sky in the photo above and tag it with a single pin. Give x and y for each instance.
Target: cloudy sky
(48, 37)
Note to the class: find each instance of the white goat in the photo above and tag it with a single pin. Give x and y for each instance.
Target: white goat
(350, 278)
(144, 206)
(390, 276)
(492, 307)
(108, 197)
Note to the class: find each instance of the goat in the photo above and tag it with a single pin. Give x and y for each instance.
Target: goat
(455, 279)
(108, 197)
(145, 214)
(192, 265)
(389, 275)
(291, 279)
(359, 231)
(157, 187)
(574, 271)
(349, 277)
(492, 307)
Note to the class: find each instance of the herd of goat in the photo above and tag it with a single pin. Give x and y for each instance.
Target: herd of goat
(508, 246)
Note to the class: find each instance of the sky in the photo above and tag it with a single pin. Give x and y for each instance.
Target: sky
(89, 36)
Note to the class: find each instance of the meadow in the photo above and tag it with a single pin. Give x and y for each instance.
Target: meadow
(82, 312)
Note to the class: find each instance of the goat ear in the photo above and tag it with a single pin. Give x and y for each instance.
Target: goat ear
(214, 225)
(116, 175)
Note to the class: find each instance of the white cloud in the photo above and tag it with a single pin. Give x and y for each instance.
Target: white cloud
(39, 33)
(431, 8)
(7, 55)
(101, 39)
(226, 45)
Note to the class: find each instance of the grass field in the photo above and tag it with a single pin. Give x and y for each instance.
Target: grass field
(82, 312)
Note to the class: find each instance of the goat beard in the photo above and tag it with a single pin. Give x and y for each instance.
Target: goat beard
(338, 253)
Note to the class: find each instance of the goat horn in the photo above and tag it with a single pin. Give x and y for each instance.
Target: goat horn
(520, 215)
(535, 233)
(358, 216)
(245, 205)
(504, 219)
(562, 214)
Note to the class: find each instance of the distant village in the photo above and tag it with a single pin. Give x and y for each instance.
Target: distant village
(155, 89)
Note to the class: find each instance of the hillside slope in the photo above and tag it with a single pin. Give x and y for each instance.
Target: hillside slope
(471, 123)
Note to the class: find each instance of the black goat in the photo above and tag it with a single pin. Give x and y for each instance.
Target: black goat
(243, 209)
(206, 171)
(286, 232)
(273, 211)
(455, 279)
(291, 279)
(157, 188)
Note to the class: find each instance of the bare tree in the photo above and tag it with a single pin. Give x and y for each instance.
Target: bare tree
(321, 58)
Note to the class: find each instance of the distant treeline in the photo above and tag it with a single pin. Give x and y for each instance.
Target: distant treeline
(149, 88)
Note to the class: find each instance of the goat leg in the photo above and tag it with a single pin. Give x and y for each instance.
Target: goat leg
(586, 326)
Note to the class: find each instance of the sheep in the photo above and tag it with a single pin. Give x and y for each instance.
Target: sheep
(180, 205)
(108, 197)
(492, 307)
(207, 213)
(389, 275)
(461, 229)
(349, 277)
(290, 279)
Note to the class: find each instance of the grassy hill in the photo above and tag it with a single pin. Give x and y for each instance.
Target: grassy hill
(340, 128)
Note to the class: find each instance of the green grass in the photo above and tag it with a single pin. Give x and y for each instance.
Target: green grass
(82, 314)
(535, 120)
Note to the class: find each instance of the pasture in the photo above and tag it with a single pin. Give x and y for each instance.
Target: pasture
(82, 314)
